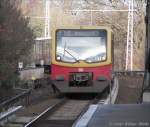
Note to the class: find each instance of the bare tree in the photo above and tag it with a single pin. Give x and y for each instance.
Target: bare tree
(16, 40)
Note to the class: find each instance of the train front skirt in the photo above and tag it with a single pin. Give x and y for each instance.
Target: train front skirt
(97, 87)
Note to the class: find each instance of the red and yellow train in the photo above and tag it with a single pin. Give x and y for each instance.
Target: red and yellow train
(81, 59)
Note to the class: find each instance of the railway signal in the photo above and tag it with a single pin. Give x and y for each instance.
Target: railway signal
(20, 65)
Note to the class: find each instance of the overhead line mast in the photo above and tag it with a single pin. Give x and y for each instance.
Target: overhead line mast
(129, 46)
(47, 18)
(42, 43)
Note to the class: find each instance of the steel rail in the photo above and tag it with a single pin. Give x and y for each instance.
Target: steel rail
(36, 121)
(45, 113)
(52, 109)
(84, 118)
(94, 102)
(13, 100)
(11, 111)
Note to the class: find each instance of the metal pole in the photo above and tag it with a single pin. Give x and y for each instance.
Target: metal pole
(132, 36)
(127, 55)
(129, 47)
(47, 18)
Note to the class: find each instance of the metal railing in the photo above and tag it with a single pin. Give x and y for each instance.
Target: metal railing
(11, 111)
(130, 73)
(12, 101)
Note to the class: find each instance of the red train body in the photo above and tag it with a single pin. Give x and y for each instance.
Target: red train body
(81, 59)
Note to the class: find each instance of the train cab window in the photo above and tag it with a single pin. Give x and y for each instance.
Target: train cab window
(86, 45)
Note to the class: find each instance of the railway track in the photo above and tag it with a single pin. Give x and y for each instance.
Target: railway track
(27, 115)
(39, 99)
(64, 113)
(61, 114)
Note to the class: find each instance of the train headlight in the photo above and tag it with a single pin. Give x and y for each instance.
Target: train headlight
(60, 78)
(58, 58)
(101, 78)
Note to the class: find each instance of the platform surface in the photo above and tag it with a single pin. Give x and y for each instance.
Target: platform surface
(128, 115)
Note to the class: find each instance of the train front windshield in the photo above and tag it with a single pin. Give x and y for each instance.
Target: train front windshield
(86, 45)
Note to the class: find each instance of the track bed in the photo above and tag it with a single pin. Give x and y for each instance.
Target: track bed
(65, 115)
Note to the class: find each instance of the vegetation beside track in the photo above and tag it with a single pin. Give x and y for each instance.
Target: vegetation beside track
(16, 41)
